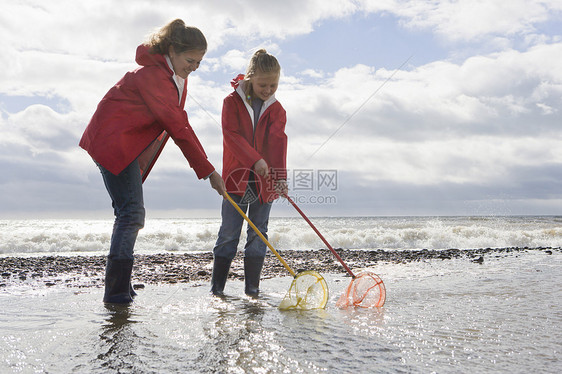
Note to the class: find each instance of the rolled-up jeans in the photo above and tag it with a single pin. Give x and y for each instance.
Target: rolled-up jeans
(231, 227)
(126, 195)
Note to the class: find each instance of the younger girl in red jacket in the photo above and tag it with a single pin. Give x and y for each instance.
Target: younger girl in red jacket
(254, 167)
(128, 130)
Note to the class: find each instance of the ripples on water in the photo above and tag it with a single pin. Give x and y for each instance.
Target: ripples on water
(444, 316)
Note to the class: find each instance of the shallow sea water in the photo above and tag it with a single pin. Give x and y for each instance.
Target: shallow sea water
(504, 315)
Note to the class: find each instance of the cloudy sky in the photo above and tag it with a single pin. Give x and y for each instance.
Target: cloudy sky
(394, 107)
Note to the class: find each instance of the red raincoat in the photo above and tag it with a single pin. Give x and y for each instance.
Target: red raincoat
(243, 147)
(138, 115)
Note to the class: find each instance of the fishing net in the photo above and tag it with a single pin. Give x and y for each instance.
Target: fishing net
(308, 291)
(366, 291)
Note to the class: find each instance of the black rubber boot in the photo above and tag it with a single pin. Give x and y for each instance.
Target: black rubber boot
(118, 282)
(252, 274)
(221, 266)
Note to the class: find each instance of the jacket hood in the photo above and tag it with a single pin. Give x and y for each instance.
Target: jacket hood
(145, 58)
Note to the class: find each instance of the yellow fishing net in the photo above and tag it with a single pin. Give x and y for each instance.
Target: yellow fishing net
(366, 291)
(308, 291)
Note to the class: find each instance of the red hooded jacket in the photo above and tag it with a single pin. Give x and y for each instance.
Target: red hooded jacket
(243, 147)
(138, 115)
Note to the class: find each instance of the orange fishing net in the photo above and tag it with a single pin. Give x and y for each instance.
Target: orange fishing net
(365, 290)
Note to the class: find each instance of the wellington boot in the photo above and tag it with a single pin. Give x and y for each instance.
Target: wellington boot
(252, 274)
(118, 282)
(221, 266)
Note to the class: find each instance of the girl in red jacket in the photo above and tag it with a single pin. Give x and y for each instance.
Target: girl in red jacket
(128, 131)
(254, 167)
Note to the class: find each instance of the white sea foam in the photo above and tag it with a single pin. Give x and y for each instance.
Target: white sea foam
(185, 235)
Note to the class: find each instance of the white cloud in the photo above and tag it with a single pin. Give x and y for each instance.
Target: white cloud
(313, 73)
(475, 160)
(470, 19)
(481, 122)
(237, 60)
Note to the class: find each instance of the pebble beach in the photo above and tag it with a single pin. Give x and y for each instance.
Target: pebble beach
(170, 268)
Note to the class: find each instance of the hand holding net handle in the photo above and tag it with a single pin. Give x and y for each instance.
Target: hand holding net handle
(227, 196)
(320, 235)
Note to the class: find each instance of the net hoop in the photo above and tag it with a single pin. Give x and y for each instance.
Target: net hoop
(308, 290)
(366, 290)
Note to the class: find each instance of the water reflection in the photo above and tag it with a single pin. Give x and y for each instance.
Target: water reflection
(337, 340)
(366, 321)
(245, 333)
(118, 340)
(233, 333)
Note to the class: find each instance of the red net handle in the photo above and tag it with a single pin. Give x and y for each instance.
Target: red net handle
(320, 235)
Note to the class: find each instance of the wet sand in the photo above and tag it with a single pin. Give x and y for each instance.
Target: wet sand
(170, 268)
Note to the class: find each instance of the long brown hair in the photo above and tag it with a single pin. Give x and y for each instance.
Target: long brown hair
(177, 35)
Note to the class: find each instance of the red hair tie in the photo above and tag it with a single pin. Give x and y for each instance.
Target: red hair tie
(234, 83)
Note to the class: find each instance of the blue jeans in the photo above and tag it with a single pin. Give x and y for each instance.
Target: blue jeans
(231, 227)
(126, 195)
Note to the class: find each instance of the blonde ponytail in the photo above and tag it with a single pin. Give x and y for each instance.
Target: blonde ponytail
(262, 62)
